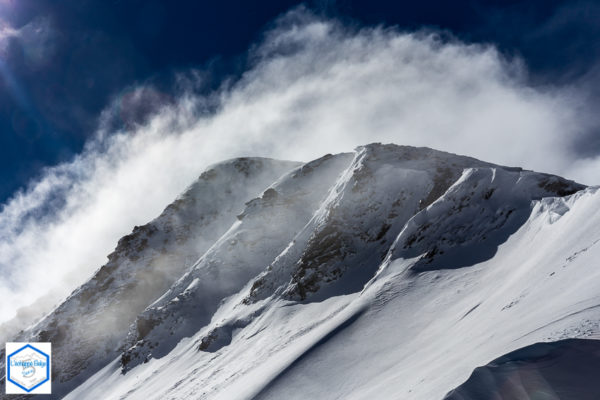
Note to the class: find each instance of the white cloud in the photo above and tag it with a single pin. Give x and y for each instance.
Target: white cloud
(314, 87)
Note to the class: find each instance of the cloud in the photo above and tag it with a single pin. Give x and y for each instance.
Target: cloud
(6, 32)
(312, 86)
(36, 39)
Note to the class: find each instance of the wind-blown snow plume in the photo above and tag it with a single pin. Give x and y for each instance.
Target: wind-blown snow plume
(312, 86)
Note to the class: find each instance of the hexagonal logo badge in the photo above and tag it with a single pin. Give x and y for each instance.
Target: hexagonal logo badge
(28, 368)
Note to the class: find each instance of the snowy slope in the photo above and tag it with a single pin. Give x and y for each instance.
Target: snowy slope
(388, 273)
(264, 229)
(566, 369)
(419, 335)
(87, 330)
(406, 335)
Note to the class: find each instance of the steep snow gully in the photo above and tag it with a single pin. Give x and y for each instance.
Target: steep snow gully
(392, 272)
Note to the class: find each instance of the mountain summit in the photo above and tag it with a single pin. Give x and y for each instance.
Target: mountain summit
(389, 272)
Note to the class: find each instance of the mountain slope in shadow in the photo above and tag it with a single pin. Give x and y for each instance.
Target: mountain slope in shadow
(563, 370)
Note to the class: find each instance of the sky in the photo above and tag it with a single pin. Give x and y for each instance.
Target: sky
(109, 109)
(64, 62)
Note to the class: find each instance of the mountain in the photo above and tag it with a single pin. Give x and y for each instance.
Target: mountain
(390, 272)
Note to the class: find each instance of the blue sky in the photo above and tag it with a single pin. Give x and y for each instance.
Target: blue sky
(63, 62)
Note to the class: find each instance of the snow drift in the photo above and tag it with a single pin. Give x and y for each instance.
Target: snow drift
(566, 369)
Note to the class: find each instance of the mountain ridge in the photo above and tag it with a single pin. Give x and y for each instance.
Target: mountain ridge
(334, 234)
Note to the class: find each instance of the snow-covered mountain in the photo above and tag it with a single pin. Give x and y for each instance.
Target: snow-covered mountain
(391, 273)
